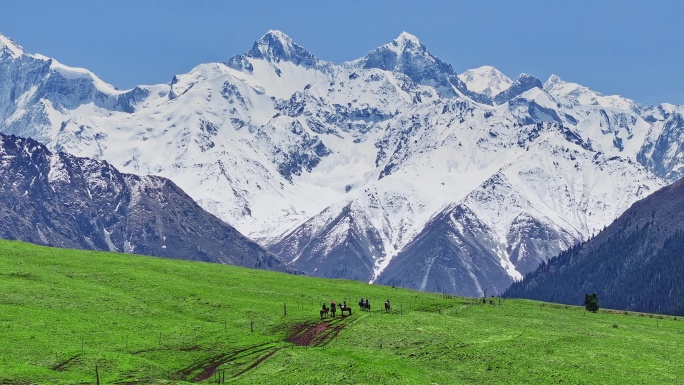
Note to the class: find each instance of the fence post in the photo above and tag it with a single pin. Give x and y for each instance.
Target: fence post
(285, 309)
(97, 375)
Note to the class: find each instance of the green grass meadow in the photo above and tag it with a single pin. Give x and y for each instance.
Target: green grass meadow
(70, 316)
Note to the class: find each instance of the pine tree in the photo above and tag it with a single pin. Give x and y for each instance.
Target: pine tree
(591, 302)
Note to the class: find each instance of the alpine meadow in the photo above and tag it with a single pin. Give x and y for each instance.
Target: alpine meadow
(71, 316)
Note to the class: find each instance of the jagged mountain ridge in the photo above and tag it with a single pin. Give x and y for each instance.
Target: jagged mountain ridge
(64, 201)
(341, 167)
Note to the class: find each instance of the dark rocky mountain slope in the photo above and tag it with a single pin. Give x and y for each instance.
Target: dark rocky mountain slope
(65, 201)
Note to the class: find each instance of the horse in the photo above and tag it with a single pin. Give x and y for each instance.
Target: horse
(346, 308)
(388, 308)
(333, 309)
(324, 311)
(364, 305)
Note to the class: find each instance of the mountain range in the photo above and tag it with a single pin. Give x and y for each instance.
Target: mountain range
(392, 168)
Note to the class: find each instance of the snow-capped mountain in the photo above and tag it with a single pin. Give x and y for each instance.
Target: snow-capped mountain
(486, 80)
(407, 55)
(57, 199)
(390, 168)
(553, 194)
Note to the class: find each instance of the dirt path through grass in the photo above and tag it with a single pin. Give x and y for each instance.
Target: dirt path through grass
(313, 334)
(318, 334)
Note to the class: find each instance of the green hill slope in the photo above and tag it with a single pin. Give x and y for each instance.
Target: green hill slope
(69, 317)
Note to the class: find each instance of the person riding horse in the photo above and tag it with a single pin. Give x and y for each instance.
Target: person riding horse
(388, 308)
(344, 308)
(333, 308)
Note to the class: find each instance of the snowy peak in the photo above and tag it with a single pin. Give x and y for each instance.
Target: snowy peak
(528, 81)
(9, 47)
(276, 46)
(404, 54)
(407, 55)
(486, 80)
(405, 36)
(552, 81)
(272, 44)
(405, 41)
(278, 67)
(522, 83)
(559, 87)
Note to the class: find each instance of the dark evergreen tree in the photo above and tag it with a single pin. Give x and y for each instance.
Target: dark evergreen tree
(591, 302)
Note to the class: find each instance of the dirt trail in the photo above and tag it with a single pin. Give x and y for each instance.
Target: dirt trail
(307, 334)
(316, 334)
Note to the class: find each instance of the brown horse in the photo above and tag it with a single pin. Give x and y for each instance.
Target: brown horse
(324, 311)
(333, 309)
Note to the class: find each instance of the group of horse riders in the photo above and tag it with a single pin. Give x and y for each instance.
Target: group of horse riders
(363, 304)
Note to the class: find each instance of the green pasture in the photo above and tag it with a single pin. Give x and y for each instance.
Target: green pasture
(76, 317)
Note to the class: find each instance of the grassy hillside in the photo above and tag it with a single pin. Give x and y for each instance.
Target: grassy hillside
(148, 320)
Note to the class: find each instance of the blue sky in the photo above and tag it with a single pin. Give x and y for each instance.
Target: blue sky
(631, 48)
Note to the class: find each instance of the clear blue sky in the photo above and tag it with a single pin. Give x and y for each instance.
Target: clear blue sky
(631, 48)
